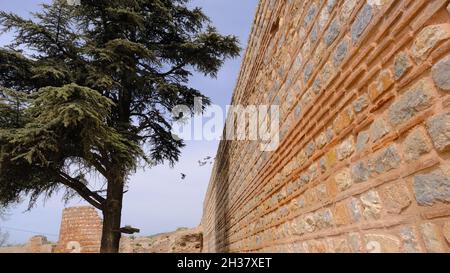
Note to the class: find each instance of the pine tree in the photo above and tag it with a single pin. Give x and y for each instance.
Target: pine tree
(89, 89)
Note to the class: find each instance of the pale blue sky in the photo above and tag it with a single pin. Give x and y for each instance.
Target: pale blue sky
(158, 200)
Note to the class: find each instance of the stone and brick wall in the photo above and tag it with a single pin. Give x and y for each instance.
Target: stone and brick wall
(363, 164)
(37, 244)
(80, 232)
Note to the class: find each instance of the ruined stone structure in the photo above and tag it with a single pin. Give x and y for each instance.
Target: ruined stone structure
(37, 244)
(80, 232)
(183, 240)
(363, 164)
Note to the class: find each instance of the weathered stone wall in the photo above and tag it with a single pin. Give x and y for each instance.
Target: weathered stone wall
(37, 244)
(183, 240)
(363, 164)
(80, 232)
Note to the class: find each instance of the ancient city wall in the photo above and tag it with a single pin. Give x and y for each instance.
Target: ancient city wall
(363, 164)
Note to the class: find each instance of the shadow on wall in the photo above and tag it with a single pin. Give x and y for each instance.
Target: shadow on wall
(222, 206)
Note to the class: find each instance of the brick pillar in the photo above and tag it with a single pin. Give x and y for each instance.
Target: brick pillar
(80, 232)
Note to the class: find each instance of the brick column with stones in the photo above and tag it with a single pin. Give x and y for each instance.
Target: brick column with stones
(80, 232)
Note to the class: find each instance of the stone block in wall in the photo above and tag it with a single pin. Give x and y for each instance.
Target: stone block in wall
(427, 40)
(439, 129)
(441, 73)
(416, 99)
(431, 188)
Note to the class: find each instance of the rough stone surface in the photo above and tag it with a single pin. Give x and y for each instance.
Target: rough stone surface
(430, 238)
(428, 38)
(317, 85)
(310, 15)
(402, 64)
(439, 129)
(314, 33)
(340, 245)
(446, 231)
(315, 246)
(330, 5)
(431, 188)
(347, 9)
(415, 145)
(323, 18)
(304, 178)
(346, 148)
(381, 243)
(360, 173)
(361, 103)
(321, 140)
(362, 140)
(327, 73)
(362, 21)
(324, 219)
(441, 73)
(341, 217)
(308, 71)
(354, 240)
(313, 171)
(395, 198)
(355, 209)
(321, 192)
(378, 3)
(415, 100)
(343, 120)
(378, 129)
(306, 224)
(384, 81)
(409, 239)
(385, 161)
(323, 164)
(343, 180)
(340, 52)
(332, 32)
(310, 149)
(371, 205)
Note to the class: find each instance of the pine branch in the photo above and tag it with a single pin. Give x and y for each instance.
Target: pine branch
(91, 197)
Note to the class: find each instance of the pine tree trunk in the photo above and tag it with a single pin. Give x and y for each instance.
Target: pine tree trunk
(112, 215)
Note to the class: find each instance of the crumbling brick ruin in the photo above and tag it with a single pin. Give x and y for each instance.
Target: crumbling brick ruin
(363, 164)
(80, 232)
